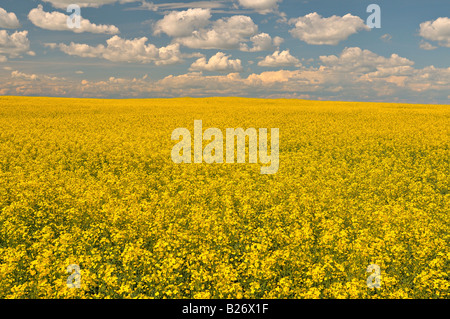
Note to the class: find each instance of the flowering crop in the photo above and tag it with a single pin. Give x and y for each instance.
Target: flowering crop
(91, 183)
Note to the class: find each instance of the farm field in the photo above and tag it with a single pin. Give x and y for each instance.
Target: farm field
(91, 182)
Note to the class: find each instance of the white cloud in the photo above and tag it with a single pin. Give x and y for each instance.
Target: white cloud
(63, 4)
(194, 29)
(427, 79)
(8, 20)
(21, 83)
(261, 42)
(437, 30)
(33, 77)
(17, 74)
(260, 6)
(362, 61)
(280, 59)
(122, 50)
(226, 33)
(375, 78)
(14, 45)
(58, 21)
(181, 5)
(314, 29)
(386, 37)
(426, 45)
(183, 23)
(220, 62)
(365, 70)
(277, 41)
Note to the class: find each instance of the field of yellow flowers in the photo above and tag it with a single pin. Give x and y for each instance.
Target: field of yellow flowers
(92, 183)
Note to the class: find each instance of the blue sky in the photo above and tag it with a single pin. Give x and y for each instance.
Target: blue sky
(321, 49)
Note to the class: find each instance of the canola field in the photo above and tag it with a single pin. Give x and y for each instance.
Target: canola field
(91, 182)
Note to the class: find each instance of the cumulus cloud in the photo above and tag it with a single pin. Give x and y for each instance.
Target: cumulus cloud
(220, 62)
(261, 42)
(226, 33)
(437, 30)
(428, 79)
(14, 45)
(362, 61)
(314, 29)
(58, 21)
(383, 78)
(183, 23)
(277, 41)
(280, 59)
(123, 50)
(194, 29)
(8, 20)
(22, 83)
(365, 70)
(375, 78)
(33, 77)
(260, 6)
